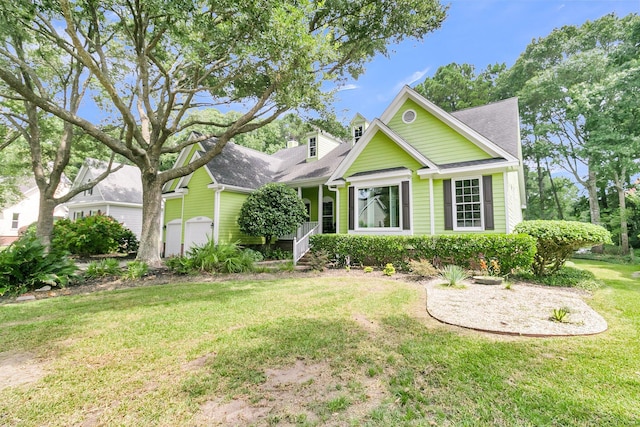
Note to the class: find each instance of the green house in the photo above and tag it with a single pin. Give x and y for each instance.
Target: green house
(415, 170)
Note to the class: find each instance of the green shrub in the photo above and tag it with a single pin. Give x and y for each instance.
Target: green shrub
(422, 268)
(389, 270)
(223, 258)
(368, 269)
(566, 276)
(453, 274)
(92, 235)
(511, 251)
(102, 268)
(318, 260)
(276, 254)
(558, 240)
(25, 266)
(179, 264)
(135, 270)
(270, 211)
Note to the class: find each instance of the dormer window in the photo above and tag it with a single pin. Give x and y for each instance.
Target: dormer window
(88, 192)
(357, 133)
(313, 147)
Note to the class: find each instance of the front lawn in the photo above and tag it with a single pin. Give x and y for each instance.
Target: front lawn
(356, 350)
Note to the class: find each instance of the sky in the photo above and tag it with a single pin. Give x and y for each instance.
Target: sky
(478, 32)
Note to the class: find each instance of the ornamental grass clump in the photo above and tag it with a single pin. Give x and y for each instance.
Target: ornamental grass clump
(453, 275)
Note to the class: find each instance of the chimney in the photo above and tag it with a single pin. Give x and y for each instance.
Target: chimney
(292, 143)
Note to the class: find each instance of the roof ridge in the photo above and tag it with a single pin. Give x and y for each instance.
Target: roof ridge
(486, 105)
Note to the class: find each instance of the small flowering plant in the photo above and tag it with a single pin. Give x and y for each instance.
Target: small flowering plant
(490, 269)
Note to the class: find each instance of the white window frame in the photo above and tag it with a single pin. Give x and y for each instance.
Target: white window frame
(329, 199)
(409, 110)
(313, 139)
(454, 205)
(358, 129)
(15, 220)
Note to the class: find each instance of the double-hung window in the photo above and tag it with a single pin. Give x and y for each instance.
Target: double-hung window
(15, 220)
(467, 203)
(313, 147)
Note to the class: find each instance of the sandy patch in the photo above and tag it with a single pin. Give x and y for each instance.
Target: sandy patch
(18, 368)
(293, 393)
(521, 310)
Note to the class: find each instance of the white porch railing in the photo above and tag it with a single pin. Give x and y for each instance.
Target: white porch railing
(303, 230)
(301, 244)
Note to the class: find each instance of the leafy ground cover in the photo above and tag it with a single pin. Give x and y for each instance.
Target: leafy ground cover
(316, 350)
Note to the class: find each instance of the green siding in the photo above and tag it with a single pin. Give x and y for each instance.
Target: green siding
(420, 201)
(382, 153)
(172, 210)
(312, 194)
(199, 200)
(433, 138)
(343, 225)
(229, 231)
(174, 183)
(498, 207)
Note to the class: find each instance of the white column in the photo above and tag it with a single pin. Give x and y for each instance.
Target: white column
(432, 214)
(320, 208)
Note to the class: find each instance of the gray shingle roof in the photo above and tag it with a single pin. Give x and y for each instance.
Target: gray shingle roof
(247, 168)
(124, 186)
(241, 166)
(499, 122)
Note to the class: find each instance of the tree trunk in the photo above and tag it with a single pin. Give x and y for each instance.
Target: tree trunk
(44, 228)
(540, 187)
(555, 193)
(149, 250)
(594, 206)
(624, 229)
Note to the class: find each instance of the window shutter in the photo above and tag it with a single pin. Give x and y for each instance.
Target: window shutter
(351, 209)
(487, 193)
(406, 215)
(448, 205)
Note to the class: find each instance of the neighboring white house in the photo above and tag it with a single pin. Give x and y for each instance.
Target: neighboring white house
(15, 218)
(119, 195)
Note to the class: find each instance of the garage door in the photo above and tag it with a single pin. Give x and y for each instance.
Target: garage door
(172, 245)
(197, 231)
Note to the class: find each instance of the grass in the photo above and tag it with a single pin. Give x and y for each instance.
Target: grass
(124, 357)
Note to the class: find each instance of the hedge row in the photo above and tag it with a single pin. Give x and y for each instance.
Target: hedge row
(466, 250)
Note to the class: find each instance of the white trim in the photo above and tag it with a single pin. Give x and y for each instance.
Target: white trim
(454, 204)
(409, 110)
(432, 213)
(320, 227)
(184, 180)
(231, 188)
(216, 214)
(381, 176)
(336, 207)
(487, 169)
(383, 230)
(315, 141)
(457, 125)
(74, 205)
(378, 125)
(182, 159)
(506, 203)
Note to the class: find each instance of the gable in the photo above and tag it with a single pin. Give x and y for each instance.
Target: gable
(381, 152)
(433, 138)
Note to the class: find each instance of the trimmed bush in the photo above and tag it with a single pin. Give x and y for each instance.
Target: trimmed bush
(92, 235)
(24, 266)
(466, 250)
(558, 240)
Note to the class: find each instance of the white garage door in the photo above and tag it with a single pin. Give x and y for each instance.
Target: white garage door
(197, 231)
(172, 246)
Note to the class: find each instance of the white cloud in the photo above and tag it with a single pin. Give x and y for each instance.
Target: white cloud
(410, 79)
(347, 87)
